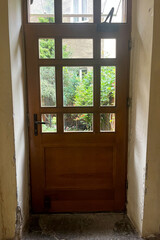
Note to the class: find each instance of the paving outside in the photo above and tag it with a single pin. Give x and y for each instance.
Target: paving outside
(98, 226)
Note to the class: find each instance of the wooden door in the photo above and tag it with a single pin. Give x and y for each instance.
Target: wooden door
(77, 76)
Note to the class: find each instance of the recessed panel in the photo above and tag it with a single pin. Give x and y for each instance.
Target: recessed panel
(108, 48)
(108, 86)
(82, 122)
(77, 86)
(77, 11)
(119, 8)
(81, 168)
(47, 86)
(50, 121)
(77, 48)
(46, 48)
(41, 11)
(107, 122)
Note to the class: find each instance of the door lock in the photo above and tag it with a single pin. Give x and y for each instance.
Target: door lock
(36, 123)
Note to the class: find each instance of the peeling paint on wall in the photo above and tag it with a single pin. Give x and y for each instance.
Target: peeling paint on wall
(19, 223)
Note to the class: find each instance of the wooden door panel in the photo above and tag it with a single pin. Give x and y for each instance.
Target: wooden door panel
(81, 195)
(79, 168)
(81, 178)
(82, 206)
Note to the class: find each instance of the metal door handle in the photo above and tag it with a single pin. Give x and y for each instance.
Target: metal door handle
(39, 122)
(36, 124)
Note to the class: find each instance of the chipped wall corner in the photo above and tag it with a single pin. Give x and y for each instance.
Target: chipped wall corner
(19, 224)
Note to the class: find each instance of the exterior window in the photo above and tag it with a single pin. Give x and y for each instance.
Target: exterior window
(120, 10)
(80, 7)
(77, 11)
(41, 11)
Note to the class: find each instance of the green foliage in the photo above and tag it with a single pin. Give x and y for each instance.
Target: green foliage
(108, 86)
(70, 83)
(66, 52)
(78, 122)
(51, 127)
(48, 94)
(48, 7)
(46, 20)
(84, 91)
(86, 119)
(84, 96)
(47, 48)
(77, 90)
(47, 51)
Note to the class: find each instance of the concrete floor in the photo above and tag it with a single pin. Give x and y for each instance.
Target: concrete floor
(98, 226)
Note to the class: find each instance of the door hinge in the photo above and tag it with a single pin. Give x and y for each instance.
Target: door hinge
(130, 44)
(129, 102)
(47, 202)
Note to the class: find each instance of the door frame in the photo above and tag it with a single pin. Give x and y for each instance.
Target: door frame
(58, 19)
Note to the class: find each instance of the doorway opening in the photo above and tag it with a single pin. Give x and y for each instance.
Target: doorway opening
(77, 75)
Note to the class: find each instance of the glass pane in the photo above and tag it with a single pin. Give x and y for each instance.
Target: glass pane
(77, 48)
(46, 48)
(108, 48)
(108, 82)
(120, 10)
(41, 11)
(77, 86)
(107, 122)
(51, 123)
(48, 88)
(77, 11)
(82, 122)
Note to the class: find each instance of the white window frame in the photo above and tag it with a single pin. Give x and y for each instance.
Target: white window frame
(80, 11)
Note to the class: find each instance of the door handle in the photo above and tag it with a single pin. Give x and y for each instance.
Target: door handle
(36, 123)
(39, 122)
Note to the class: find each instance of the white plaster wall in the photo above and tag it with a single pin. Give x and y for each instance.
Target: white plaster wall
(151, 222)
(8, 199)
(19, 105)
(142, 30)
(13, 131)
